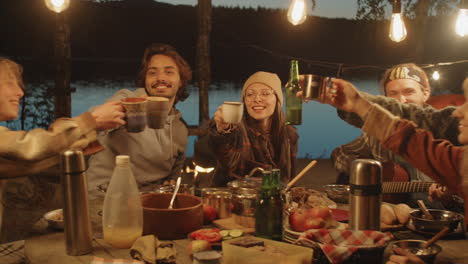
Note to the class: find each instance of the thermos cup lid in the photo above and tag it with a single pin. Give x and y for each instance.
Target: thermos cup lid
(72, 161)
(366, 172)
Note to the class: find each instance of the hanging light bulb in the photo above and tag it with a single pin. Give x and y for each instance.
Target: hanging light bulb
(297, 12)
(57, 5)
(397, 26)
(435, 75)
(461, 26)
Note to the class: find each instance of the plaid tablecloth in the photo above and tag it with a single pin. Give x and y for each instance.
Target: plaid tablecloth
(338, 245)
(12, 253)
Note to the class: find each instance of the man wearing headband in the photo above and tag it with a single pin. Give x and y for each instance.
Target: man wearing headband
(409, 86)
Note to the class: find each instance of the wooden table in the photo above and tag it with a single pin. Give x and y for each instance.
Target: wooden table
(50, 248)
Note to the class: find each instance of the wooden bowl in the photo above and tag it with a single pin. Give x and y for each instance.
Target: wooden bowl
(169, 224)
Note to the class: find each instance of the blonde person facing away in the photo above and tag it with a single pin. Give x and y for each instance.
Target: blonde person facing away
(24, 153)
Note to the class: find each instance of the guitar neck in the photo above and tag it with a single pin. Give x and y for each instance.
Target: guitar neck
(405, 187)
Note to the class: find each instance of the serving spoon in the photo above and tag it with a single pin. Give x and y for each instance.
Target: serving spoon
(424, 210)
(171, 204)
(436, 237)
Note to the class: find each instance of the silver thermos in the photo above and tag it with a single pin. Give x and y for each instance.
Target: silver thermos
(365, 194)
(78, 237)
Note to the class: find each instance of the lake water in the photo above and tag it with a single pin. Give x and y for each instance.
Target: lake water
(321, 131)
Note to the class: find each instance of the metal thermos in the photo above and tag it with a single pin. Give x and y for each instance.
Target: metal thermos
(78, 236)
(365, 194)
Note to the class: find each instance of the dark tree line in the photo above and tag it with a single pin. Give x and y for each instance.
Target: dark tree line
(108, 39)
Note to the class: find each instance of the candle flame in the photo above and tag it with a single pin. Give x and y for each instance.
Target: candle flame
(198, 169)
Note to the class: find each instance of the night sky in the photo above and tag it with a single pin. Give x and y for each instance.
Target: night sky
(324, 8)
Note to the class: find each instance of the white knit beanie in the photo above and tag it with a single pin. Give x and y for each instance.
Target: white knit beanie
(270, 79)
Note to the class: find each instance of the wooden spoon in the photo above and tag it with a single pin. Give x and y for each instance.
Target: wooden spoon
(436, 237)
(424, 210)
(299, 176)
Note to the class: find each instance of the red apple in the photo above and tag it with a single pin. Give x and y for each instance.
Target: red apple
(209, 214)
(297, 219)
(321, 212)
(314, 223)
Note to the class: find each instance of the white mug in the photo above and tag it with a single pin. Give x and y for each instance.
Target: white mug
(232, 112)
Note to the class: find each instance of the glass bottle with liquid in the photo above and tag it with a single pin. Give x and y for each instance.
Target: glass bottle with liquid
(293, 104)
(269, 212)
(122, 219)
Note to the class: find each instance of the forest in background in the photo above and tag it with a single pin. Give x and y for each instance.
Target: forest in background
(108, 39)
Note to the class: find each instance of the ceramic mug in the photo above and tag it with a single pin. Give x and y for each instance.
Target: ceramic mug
(157, 111)
(135, 113)
(232, 112)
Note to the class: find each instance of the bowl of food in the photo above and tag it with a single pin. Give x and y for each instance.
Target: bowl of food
(55, 218)
(441, 219)
(338, 192)
(169, 224)
(415, 247)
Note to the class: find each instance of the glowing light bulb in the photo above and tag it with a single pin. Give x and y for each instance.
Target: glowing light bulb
(57, 5)
(297, 12)
(461, 26)
(436, 75)
(397, 28)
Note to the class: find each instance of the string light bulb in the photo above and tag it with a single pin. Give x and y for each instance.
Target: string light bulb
(57, 5)
(297, 12)
(461, 26)
(435, 75)
(397, 25)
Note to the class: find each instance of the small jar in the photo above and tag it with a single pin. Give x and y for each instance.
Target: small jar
(220, 200)
(244, 202)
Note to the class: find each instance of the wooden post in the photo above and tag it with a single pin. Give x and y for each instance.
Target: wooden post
(203, 57)
(421, 29)
(62, 97)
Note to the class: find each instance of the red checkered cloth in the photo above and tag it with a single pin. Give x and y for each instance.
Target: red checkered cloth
(98, 260)
(338, 245)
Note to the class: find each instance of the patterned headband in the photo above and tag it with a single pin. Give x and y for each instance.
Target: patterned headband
(407, 72)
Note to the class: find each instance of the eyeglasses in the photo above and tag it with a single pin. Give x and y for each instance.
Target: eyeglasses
(251, 95)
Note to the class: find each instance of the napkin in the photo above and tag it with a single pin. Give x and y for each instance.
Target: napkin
(338, 245)
(152, 250)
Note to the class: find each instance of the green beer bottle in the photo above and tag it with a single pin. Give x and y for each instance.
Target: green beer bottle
(293, 104)
(269, 212)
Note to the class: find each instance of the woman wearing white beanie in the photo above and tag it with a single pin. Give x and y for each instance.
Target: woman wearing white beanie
(262, 138)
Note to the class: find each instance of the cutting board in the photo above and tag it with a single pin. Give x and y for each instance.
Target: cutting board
(229, 223)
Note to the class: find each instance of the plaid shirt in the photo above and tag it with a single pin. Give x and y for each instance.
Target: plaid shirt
(244, 148)
(440, 123)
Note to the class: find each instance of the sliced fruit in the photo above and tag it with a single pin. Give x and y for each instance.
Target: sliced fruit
(236, 233)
